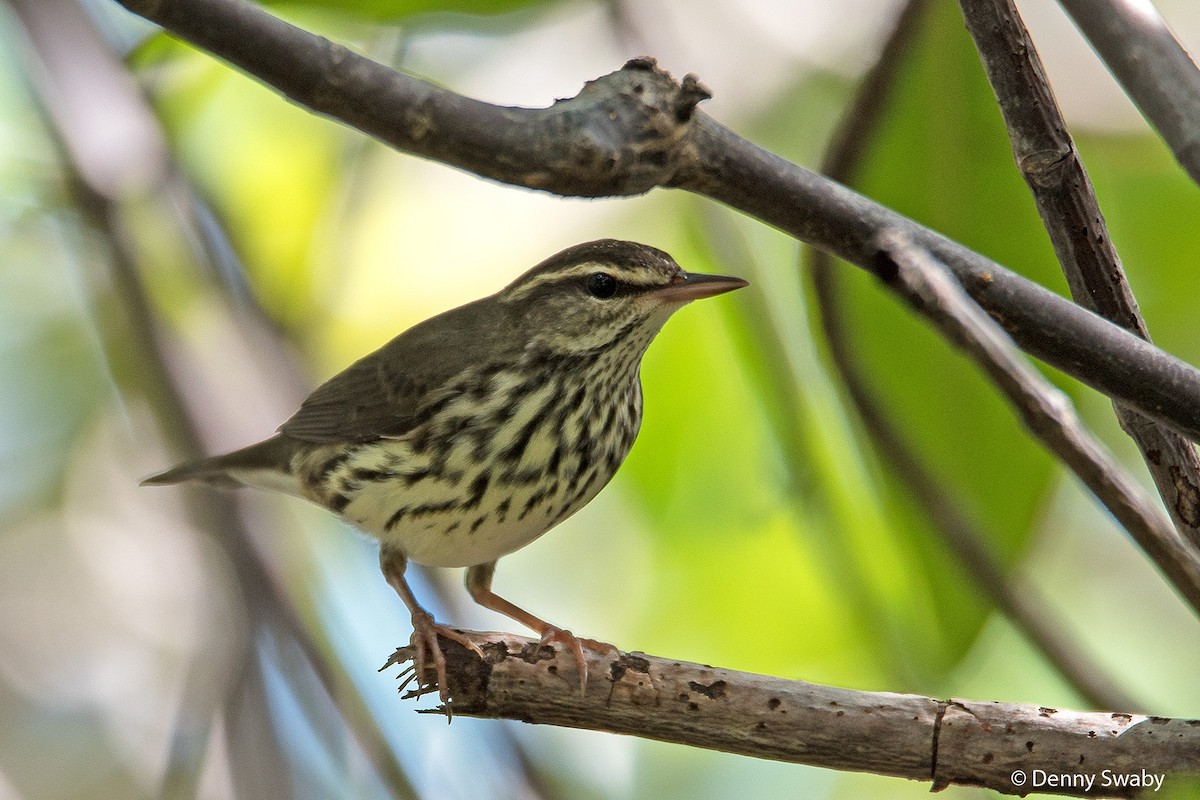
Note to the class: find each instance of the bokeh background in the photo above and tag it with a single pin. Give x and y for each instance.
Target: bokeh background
(183, 255)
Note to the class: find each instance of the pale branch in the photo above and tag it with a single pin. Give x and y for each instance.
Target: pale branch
(902, 735)
(1047, 413)
(630, 131)
(1147, 60)
(1047, 157)
(1014, 596)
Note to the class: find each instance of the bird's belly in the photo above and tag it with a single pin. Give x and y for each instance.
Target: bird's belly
(461, 511)
(440, 525)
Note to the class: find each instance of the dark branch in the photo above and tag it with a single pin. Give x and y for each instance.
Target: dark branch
(634, 129)
(1047, 157)
(576, 147)
(907, 736)
(1150, 64)
(1015, 597)
(1048, 414)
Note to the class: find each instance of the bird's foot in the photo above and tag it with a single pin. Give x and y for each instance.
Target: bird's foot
(576, 645)
(425, 647)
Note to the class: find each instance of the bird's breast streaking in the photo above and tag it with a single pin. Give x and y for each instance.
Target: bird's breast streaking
(499, 459)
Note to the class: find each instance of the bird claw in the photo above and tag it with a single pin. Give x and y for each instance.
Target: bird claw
(424, 642)
(552, 635)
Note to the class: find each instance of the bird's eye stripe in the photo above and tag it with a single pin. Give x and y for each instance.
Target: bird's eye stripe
(629, 279)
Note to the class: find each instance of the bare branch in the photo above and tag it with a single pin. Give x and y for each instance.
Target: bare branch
(902, 735)
(930, 288)
(1018, 599)
(103, 177)
(635, 129)
(1015, 597)
(1150, 64)
(1047, 157)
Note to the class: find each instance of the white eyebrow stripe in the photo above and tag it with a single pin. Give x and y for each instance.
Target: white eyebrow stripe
(632, 277)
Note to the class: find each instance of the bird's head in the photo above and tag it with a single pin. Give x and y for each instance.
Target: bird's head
(603, 294)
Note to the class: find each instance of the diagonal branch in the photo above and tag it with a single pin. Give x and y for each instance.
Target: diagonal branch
(1047, 157)
(995, 745)
(635, 129)
(1150, 64)
(929, 287)
(107, 182)
(1016, 598)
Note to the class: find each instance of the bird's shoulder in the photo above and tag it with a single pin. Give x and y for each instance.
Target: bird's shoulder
(380, 394)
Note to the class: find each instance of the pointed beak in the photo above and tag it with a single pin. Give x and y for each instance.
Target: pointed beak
(689, 286)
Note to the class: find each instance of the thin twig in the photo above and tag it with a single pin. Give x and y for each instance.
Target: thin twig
(1150, 64)
(104, 179)
(635, 129)
(1015, 597)
(945, 742)
(1046, 155)
(854, 134)
(926, 284)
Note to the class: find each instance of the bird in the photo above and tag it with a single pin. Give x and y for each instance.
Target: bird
(476, 431)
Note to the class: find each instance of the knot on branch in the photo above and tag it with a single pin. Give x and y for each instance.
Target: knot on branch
(690, 92)
(621, 134)
(1046, 168)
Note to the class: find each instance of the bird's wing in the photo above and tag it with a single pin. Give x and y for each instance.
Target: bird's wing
(380, 394)
(372, 398)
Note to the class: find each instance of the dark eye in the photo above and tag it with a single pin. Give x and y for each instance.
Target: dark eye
(602, 285)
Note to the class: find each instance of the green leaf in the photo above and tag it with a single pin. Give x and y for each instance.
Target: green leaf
(943, 158)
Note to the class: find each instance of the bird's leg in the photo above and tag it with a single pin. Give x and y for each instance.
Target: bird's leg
(479, 584)
(425, 630)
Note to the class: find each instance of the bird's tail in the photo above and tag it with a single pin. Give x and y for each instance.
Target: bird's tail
(266, 464)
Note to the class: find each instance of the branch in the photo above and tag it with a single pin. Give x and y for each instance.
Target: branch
(1046, 411)
(635, 129)
(106, 180)
(1047, 157)
(1152, 67)
(994, 745)
(1015, 597)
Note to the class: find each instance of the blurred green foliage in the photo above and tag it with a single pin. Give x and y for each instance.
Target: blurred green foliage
(942, 157)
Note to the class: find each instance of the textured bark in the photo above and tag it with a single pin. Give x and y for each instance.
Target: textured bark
(902, 735)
